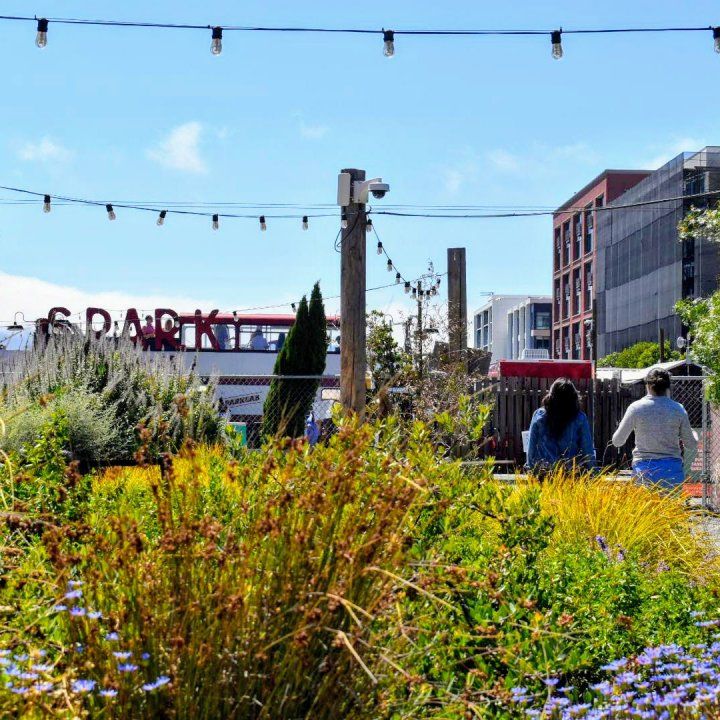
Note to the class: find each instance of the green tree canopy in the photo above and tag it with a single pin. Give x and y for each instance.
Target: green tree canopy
(640, 355)
(386, 360)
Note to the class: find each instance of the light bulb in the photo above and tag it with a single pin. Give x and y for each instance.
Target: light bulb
(110, 212)
(305, 222)
(161, 217)
(41, 37)
(414, 293)
(716, 37)
(388, 43)
(216, 43)
(397, 278)
(216, 222)
(556, 40)
(407, 288)
(263, 224)
(389, 265)
(368, 225)
(343, 220)
(46, 204)
(379, 248)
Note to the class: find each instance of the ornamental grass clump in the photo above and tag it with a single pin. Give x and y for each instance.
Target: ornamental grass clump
(253, 586)
(654, 526)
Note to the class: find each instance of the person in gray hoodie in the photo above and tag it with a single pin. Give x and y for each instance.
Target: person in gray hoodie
(660, 425)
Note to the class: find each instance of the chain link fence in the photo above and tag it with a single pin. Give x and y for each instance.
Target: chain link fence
(273, 403)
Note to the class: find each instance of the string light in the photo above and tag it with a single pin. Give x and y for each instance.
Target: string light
(294, 308)
(388, 43)
(414, 293)
(110, 212)
(343, 220)
(216, 42)
(305, 223)
(161, 217)
(389, 265)
(42, 31)
(46, 204)
(379, 247)
(263, 224)
(216, 222)
(716, 38)
(369, 226)
(407, 287)
(398, 277)
(556, 40)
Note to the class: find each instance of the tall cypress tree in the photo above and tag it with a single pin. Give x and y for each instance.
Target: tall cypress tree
(289, 401)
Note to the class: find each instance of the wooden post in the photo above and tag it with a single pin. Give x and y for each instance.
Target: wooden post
(457, 304)
(662, 345)
(353, 358)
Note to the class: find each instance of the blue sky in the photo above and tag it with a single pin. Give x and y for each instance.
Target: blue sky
(151, 115)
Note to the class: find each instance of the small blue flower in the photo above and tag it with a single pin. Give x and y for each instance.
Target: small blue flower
(20, 690)
(75, 583)
(94, 614)
(83, 686)
(28, 676)
(21, 657)
(145, 656)
(112, 636)
(60, 608)
(551, 682)
(108, 692)
(615, 665)
(158, 683)
(127, 667)
(124, 655)
(77, 611)
(73, 594)
(602, 543)
(43, 667)
(43, 687)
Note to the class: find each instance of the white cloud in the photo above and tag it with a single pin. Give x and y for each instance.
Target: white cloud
(34, 297)
(313, 132)
(670, 150)
(456, 176)
(504, 160)
(45, 150)
(180, 150)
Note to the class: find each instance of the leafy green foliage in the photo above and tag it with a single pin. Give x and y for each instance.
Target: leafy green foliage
(640, 355)
(386, 360)
(703, 224)
(702, 316)
(107, 390)
(304, 353)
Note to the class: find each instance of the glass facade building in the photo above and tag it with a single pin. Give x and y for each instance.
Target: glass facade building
(642, 266)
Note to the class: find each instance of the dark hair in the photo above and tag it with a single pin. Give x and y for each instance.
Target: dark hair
(658, 380)
(562, 405)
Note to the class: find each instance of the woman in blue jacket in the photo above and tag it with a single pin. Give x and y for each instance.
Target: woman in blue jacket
(560, 432)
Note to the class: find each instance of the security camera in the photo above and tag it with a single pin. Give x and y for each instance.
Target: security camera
(375, 186)
(378, 189)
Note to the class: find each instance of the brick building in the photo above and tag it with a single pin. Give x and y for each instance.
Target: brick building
(574, 260)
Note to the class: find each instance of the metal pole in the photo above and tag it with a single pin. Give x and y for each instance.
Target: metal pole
(419, 330)
(353, 358)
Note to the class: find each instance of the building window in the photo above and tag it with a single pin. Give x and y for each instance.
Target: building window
(557, 248)
(577, 236)
(566, 243)
(588, 287)
(542, 320)
(576, 292)
(566, 293)
(589, 229)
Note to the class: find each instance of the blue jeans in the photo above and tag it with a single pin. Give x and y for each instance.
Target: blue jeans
(666, 473)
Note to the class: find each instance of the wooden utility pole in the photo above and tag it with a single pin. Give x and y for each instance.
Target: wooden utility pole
(353, 358)
(662, 345)
(457, 304)
(419, 330)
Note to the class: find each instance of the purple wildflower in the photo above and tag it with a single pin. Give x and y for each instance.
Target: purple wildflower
(43, 687)
(60, 608)
(145, 656)
(127, 667)
(94, 614)
(82, 686)
(73, 594)
(602, 543)
(124, 655)
(112, 636)
(164, 680)
(75, 583)
(109, 692)
(77, 611)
